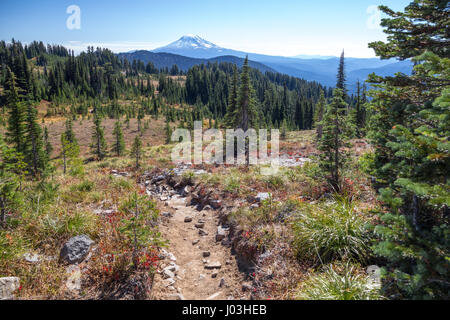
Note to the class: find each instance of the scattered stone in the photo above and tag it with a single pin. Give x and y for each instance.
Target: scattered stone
(262, 196)
(195, 242)
(207, 207)
(202, 232)
(222, 283)
(214, 275)
(206, 254)
(254, 206)
(168, 274)
(76, 249)
(7, 287)
(221, 234)
(166, 214)
(188, 219)
(201, 277)
(200, 225)
(172, 268)
(213, 265)
(32, 257)
(171, 257)
(169, 282)
(215, 295)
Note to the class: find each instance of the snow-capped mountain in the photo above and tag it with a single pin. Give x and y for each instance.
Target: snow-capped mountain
(312, 68)
(194, 46)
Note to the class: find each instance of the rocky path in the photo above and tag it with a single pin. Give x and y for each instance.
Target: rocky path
(196, 265)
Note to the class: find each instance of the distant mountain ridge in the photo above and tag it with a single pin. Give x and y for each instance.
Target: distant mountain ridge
(163, 60)
(320, 69)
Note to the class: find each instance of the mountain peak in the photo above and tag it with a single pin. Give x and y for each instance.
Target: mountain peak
(190, 41)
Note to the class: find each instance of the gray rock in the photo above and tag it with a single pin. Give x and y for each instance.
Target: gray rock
(168, 274)
(214, 275)
(262, 196)
(188, 219)
(171, 257)
(221, 234)
(166, 214)
(374, 273)
(206, 254)
(222, 283)
(207, 208)
(76, 249)
(195, 242)
(32, 257)
(7, 287)
(169, 282)
(202, 232)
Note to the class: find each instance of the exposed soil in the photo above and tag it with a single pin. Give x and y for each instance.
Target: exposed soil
(194, 280)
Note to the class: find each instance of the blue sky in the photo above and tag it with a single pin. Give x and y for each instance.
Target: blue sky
(276, 27)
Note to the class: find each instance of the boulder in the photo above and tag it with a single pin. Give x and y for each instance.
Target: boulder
(7, 287)
(76, 249)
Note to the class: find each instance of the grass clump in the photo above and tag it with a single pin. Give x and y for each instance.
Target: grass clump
(335, 284)
(326, 232)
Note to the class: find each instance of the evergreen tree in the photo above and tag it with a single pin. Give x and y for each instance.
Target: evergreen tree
(333, 141)
(119, 143)
(341, 76)
(99, 147)
(136, 150)
(318, 116)
(70, 152)
(246, 113)
(10, 196)
(70, 135)
(34, 154)
(16, 120)
(232, 99)
(409, 130)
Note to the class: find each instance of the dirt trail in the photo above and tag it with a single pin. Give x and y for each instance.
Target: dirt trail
(195, 275)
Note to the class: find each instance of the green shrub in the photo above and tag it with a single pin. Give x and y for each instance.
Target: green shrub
(334, 285)
(325, 232)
